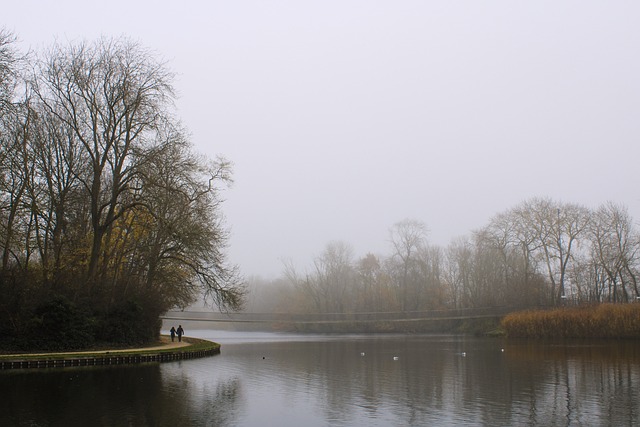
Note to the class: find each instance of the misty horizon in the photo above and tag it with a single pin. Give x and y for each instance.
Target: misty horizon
(342, 119)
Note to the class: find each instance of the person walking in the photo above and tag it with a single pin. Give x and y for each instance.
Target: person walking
(172, 331)
(180, 333)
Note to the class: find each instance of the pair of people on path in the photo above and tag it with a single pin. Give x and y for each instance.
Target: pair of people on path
(174, 332)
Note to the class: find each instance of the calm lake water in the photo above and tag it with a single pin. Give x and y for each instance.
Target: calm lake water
(264, 379)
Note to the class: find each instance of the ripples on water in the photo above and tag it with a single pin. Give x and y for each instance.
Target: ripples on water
(264, 379)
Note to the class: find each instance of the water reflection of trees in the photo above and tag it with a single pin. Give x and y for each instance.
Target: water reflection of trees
(207, 401)
(431, 383)
(434, 383)
(116, 396)
(577, 380)
(91, 396)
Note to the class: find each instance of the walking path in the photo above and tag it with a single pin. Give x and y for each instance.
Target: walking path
(166, 344)
(167, 351)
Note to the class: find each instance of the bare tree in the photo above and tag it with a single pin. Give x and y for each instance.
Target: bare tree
(408, 238)
(102, 200)
(557, 228)
(181, 235)
(112, 94)
(13, 125)
(615, 248)
(56, 193)
(373, 284)
(511, 239)
(310, 298)
(330, 286)
(334, 276)
(459, 273)
(9, 70)
(16, 167)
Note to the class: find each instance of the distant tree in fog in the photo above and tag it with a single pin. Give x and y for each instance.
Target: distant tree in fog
(269, 296)
(330, 286)
(530, 255)
(374, 291)
(585, 255)
(615, 248)
(510, 243)
(408, 240)
(456, 271)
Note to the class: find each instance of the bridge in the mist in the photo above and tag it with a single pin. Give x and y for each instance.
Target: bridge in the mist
(340, 318)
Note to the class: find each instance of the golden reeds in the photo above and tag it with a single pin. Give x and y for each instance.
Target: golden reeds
(597, 321)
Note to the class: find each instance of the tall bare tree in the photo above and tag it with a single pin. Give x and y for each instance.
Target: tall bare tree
(374, 287)
(181, 233)
(9, 69)
(16, 181)
(557, 228)
(408, 238)
(112, 94)
(615, 248)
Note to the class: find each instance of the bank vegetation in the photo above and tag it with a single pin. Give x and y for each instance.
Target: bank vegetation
(598, 321)
(539, 254)
(108, 218)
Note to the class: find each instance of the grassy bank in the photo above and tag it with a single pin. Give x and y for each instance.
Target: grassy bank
(598, 321)
(196, 345)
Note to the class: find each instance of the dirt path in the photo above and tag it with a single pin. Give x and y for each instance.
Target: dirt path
(166, 344)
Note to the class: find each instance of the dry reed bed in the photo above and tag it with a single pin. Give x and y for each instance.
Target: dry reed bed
(597, 321)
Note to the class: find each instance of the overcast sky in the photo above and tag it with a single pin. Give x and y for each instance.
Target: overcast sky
(345, 117)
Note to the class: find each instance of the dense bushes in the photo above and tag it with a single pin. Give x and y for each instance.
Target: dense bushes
(599, 321)
(129, 323)
(56, 323)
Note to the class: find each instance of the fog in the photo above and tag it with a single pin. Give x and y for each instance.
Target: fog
(344, 117)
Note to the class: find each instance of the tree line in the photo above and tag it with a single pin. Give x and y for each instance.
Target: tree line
(539, 253)
(108, 217)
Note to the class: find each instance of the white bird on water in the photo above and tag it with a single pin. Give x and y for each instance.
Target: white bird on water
(395, 358)
(362, 354)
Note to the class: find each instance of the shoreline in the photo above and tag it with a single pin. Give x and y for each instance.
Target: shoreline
(189, 348)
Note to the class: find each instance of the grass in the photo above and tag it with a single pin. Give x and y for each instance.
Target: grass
(195, 345)
(597, 321)
(489, 326)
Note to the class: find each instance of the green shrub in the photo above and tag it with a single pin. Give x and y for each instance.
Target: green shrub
(58, 324)
(129, 323)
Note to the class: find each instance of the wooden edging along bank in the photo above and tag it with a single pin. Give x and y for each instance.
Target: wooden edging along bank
(108, 359)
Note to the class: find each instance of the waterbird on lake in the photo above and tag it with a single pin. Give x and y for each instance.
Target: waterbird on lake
(395, 358)
(362, 354)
